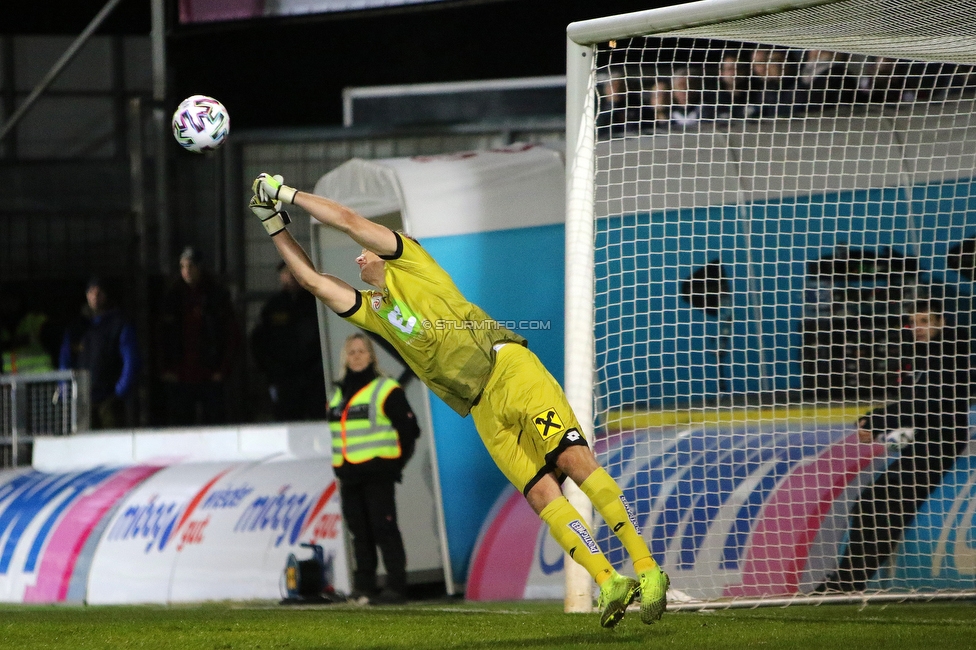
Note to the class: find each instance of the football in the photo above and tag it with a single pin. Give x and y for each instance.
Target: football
(201, 124)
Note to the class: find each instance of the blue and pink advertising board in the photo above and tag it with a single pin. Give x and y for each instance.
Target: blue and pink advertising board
(736, 509)
(164, 532)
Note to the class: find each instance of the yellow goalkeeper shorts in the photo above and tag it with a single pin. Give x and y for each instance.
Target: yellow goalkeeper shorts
(523, 417)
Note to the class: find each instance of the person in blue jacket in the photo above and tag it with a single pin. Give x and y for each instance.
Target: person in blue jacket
(103, 342)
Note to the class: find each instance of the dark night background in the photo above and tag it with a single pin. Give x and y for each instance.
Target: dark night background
(291, 72)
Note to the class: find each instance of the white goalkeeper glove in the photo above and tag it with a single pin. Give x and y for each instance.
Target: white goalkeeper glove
(268, 187)
(272, 217)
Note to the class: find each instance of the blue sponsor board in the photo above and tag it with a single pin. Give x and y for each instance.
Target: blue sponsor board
(285, 512)
(157, 521)
(678, 491)
(29, 496)
(153, 521)
(714, 500)
(654, 348)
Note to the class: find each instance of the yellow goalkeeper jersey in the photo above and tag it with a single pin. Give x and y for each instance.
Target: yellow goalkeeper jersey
(446, 340)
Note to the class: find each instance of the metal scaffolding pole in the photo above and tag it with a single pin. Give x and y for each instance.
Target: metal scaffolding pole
(58, 67)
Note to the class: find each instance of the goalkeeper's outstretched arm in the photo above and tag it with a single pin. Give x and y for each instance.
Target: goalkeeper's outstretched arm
(337, 295)
(371, 236)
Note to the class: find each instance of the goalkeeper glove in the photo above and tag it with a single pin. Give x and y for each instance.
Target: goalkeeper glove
(272, 217)
(268, 187)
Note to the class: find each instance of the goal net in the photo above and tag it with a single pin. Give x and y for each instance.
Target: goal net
(771, 250)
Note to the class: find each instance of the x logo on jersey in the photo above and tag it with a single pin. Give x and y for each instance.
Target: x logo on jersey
(548, 423)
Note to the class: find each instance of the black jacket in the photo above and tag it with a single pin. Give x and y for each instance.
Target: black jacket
(933, 395)
(285, 342)
(218, 336)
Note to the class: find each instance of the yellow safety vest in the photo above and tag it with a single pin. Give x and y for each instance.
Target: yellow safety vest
(358, 439)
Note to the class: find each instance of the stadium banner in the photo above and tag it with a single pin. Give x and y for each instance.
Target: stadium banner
(218, 530)
(161, 533)
(49, 524)
(792, 480)
(204, 11)
(493, 219)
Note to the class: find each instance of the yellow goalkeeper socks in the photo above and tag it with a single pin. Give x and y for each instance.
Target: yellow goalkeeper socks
(567, 528)
(608, 499)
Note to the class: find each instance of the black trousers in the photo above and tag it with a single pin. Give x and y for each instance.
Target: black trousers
(888, 506)
(108, 414)
(369, 510)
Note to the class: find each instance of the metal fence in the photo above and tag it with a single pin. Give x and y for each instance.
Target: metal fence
(41, 404)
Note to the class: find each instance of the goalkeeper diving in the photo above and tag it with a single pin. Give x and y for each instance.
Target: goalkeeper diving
(518, 408)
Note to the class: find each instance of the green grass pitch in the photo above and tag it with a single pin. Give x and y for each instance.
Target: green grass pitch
(460, 625)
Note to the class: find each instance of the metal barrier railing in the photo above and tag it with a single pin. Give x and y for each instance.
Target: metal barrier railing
(40, 404)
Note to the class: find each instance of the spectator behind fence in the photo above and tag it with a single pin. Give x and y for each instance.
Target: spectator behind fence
(687, 110)
(197, 344)
(884, 80)
(103, 342)
(618, 112)
(296, 381)
(732, 87)
(931, 422)
(656, 107)
(823, 80)
(772, 87)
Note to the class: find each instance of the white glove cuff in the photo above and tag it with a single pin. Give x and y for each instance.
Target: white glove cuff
(276, 223)
(286, 194)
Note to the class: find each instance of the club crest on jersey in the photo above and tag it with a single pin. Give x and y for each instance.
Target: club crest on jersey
(548, 423)
(376, 301)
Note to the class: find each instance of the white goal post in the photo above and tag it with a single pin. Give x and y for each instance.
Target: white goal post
(770, 271)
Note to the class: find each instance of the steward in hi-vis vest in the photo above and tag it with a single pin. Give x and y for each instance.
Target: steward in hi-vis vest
(374, 434)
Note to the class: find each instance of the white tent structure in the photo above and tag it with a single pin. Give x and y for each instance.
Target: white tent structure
(455, 194)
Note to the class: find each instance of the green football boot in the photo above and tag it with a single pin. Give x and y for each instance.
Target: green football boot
(654, 585)
(615, 594)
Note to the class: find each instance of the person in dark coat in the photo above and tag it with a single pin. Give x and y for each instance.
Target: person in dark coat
(104, 343)
(934, 406)
(296, 381)
(198, 343)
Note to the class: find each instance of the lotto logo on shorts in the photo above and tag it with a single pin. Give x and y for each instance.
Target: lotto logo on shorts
(584, 535)
(548, 423)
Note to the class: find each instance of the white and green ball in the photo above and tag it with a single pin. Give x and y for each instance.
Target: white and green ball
(201, 124)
